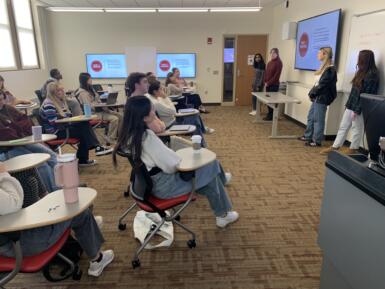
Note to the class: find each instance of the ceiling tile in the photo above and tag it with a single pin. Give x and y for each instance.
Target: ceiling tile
(101, 3)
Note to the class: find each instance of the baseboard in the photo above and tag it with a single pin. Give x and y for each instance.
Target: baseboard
(212, 104)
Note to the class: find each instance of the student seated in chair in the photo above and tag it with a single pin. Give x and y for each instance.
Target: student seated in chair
(55, 107)
(87, 95)
(144, 146)
(15, 125)
(36, 241)
(10, 99)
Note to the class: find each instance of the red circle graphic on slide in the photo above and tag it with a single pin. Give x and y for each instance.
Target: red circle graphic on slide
(96, 65)
(303, 44)
(164, 65)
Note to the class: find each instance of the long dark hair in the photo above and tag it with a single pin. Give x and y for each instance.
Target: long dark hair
(131, 80)
(261, 64)
(83, 80)
(366, 64)
(168, 80)
(154, 86)
(133, 128)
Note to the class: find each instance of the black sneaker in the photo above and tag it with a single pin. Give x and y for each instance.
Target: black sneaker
(268, 118)
(101, 151)
(87, 163)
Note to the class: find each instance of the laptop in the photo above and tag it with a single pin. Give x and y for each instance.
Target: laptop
(112, 97)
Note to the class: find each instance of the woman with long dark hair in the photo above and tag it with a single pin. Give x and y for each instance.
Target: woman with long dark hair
(259, 66)
(321, 95)
(366, 80)
(87, 95)
(145, 147)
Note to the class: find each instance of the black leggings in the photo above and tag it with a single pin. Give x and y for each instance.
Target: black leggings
(87, 138)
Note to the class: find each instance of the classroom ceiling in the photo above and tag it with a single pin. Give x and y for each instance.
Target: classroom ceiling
(159, 3)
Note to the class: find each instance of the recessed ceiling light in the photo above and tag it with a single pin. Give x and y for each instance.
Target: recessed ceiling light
(140, 10)
(72, 9)
(236, 9)
(183, 10)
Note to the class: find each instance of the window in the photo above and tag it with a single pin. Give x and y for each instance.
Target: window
(18, 49)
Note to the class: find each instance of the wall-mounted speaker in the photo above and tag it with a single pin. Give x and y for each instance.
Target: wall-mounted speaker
(289, 30)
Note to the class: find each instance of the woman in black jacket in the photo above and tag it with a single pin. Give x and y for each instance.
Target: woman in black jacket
(366, 80)
(321, 95)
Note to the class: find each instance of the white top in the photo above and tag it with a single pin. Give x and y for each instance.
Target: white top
(156, 154)
(11, 194)
(164, 108)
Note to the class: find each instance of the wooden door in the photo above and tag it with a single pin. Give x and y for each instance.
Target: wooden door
(247, 45)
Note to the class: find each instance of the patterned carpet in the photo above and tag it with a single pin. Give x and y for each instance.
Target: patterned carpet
(276, 188)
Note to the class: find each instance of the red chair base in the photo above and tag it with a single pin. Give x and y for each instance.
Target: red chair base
(163, 204)
(35, 263)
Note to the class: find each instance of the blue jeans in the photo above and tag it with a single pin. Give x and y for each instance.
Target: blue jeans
(198, 122)
(209, 179)
(46, 170)
(316, 122)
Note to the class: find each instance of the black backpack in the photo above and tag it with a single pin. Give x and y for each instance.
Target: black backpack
(57, 269)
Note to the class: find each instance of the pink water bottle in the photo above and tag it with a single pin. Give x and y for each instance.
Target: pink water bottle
(67, 176)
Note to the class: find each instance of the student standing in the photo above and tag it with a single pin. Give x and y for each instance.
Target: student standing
(38, 240)
(87, 95)
(366, 80)
(145, 147)
(321, 95)
(272, 75)
(55, 107)
(9, 97)
(259, 66)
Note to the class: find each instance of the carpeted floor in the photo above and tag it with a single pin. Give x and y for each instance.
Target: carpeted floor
(276, 188)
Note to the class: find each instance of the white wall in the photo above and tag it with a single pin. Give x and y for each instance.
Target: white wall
(72, 35)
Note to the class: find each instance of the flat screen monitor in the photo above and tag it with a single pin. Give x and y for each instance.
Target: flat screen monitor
(314, 33)
(373, 110)
(184, 61)
(228, 55)
(106, 65)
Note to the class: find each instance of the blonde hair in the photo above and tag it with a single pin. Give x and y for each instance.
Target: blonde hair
(59, 104)
(328, 52)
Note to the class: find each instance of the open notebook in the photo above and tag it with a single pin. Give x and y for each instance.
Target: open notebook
(186, 110)
(180, 128)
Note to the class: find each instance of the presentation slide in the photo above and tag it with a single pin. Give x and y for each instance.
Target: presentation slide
(314, 33)
(228, 55)
(167, 61)
(106, 65)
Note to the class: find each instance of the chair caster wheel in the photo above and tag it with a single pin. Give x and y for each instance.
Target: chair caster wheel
(122, 227)
(191, 243)
(126, 194)
(135, 263)
(77, 274)
(177, 218)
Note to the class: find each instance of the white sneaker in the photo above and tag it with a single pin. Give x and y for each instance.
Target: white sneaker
(96, 268)
(228, 178)
(99, 221)
(253, 113)
(101, 150)
(209, 130)
(230, 217)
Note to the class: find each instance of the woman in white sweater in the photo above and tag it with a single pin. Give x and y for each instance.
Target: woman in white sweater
(35, 241)
(161, 162)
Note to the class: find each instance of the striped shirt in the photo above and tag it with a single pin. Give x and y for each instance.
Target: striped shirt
(49, 114)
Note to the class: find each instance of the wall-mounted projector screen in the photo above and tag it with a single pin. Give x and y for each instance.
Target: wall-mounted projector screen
(314, 33)
(106, 65)
(184, 61)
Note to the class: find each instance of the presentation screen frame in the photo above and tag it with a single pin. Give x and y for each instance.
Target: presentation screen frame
(195, 63)
(123, 54)
(337, 40)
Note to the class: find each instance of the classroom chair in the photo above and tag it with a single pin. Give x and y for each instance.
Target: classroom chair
(141, 188)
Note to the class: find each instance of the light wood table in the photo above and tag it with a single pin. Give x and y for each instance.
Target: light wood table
(192, 161)
(27, 140)
(170, 132)
(114, 105)
(49, 210)
(75, 119)
(184, 114)
(275, 100)
(25, 107)
(25, 162)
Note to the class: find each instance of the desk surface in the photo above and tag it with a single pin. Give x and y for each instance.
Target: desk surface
(27, 140)
(191, 161)
(275, 97)
(26, 106)
(182, 114)
(175, 97)
(78, 118)
(116, 104)
(25, 162)
(169, 132)
(49, 210)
